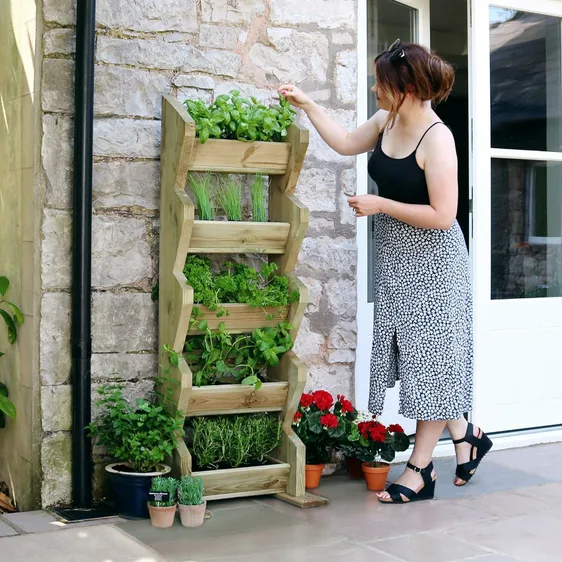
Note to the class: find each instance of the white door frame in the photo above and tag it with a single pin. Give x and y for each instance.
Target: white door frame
(364, 308)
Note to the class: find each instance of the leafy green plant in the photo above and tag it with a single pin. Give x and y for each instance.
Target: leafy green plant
(234, 441)
(259, 213)
(232, 116)
(12, 318)
(201, 188)
(219, 357)
(142, 434)
(191, 490)
(229, 197)
(164, 484)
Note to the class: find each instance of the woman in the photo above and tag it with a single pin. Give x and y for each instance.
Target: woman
(422, 332)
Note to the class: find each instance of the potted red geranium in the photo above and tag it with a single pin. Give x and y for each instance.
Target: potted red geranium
(376, 446)
(319, 428)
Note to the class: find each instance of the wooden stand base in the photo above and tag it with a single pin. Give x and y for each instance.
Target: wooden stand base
(306, 501)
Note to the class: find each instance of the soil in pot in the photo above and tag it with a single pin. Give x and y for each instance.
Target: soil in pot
(192, 515)
(354, 468)
(376, 475)
(131, 489)
(162, 517)
(313, 475)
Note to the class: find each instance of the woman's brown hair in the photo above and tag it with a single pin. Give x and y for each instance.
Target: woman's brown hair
(409, 68)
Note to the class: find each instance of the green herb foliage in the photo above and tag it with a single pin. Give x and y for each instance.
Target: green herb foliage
(12, 318)
(201, 188)
(259, 213)
(229, 197)
(219, 357)
(142, 434)
(237, 283)
(235, 441)
(164, 484)
(191, 490)
(232, 116)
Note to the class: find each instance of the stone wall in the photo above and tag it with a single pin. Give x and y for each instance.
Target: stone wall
(190, 48)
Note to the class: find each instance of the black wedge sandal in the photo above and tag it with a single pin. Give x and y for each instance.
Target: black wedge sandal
(396, 491)
(481, 444)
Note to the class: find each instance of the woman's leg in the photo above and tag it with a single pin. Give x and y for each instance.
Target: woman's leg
(427, 435)
(457, 429)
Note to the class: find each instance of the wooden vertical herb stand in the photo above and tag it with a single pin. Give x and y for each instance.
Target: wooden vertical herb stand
(281, 239)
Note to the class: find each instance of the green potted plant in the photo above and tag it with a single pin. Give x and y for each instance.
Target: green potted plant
(162, 504)
(12, 318)
(191, 503)
(376, 446)
(141, 435)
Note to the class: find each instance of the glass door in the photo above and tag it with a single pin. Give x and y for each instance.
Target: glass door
(516, 87)
(381, 22)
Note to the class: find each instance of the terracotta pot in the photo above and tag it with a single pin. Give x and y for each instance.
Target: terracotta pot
(193, 515)
(354, 468)
(313, 475)
(162, 517)
(375, 475)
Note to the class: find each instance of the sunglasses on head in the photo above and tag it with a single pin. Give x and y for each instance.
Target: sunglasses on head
(396, 52)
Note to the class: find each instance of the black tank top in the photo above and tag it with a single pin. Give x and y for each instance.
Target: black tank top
(399, 179)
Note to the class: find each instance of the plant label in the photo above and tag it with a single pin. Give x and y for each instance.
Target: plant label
(159, 496)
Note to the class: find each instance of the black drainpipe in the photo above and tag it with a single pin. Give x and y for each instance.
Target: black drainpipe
(81, 336)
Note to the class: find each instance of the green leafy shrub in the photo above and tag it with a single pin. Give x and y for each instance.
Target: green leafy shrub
(259, 213)
(12, 318)
(191, 490)
(142, 434)
(164, 484)
(235, 441)
(232, 116)
(201, 188)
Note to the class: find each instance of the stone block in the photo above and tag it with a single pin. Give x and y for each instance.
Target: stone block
(317, 189)
(56, 249)
(54, 352)
(129, 91)
(58, 86)
(308, 343)
(56, 408)
(345, 78)
(128, 138)
(292, 56)
(56, 463)
(342, 38)
(123, 322)
(231, 11)
(317, 148)
(328, 14)
(57, 152)
(59, 41)
(219, 36)
(348, 184)
(62, 12)
(151, 53)
(127, 184)
(148, 16)
(128, 366)
(341, 296)
(120, 252)
(331, 256)
(194, 81)
(343, 335)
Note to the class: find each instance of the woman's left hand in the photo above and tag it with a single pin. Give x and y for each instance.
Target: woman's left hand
(364, 205)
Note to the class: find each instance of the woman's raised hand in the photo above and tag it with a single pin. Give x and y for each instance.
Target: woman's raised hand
(295, 96)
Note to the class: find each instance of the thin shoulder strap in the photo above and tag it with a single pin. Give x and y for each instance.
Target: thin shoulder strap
(427, 131)
(381, 134)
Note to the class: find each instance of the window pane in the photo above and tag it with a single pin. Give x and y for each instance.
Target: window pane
(526, 80)
(526, 229)
(386, 22)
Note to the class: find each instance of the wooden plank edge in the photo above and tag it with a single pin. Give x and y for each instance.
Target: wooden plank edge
(307, 501)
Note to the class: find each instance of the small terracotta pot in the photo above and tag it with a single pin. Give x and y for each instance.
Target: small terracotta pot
(313, 475)
(162, 517)
(375, 475)
(354, 468)
(193, 515)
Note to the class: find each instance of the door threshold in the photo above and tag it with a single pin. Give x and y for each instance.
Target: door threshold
(502, 441)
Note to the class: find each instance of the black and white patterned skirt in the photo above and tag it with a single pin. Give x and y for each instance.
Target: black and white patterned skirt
(422, 331)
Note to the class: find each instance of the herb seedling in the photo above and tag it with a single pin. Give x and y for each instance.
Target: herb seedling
(259, 213)
(201, 187)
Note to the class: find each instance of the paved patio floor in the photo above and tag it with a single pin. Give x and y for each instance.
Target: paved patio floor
(511, 512)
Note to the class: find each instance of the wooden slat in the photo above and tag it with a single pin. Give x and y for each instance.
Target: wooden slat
(297, 310)
(239, 482)
(298, 139)
(237, 399)
(242, 318)
(305, 501)
(236, 157)
(212, 237)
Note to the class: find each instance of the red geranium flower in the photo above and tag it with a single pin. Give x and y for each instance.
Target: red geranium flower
(298, 417)
(346, 405)
(378, 433)
(323, 399)
(306, 400)
(329, 420)
(395, 428)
